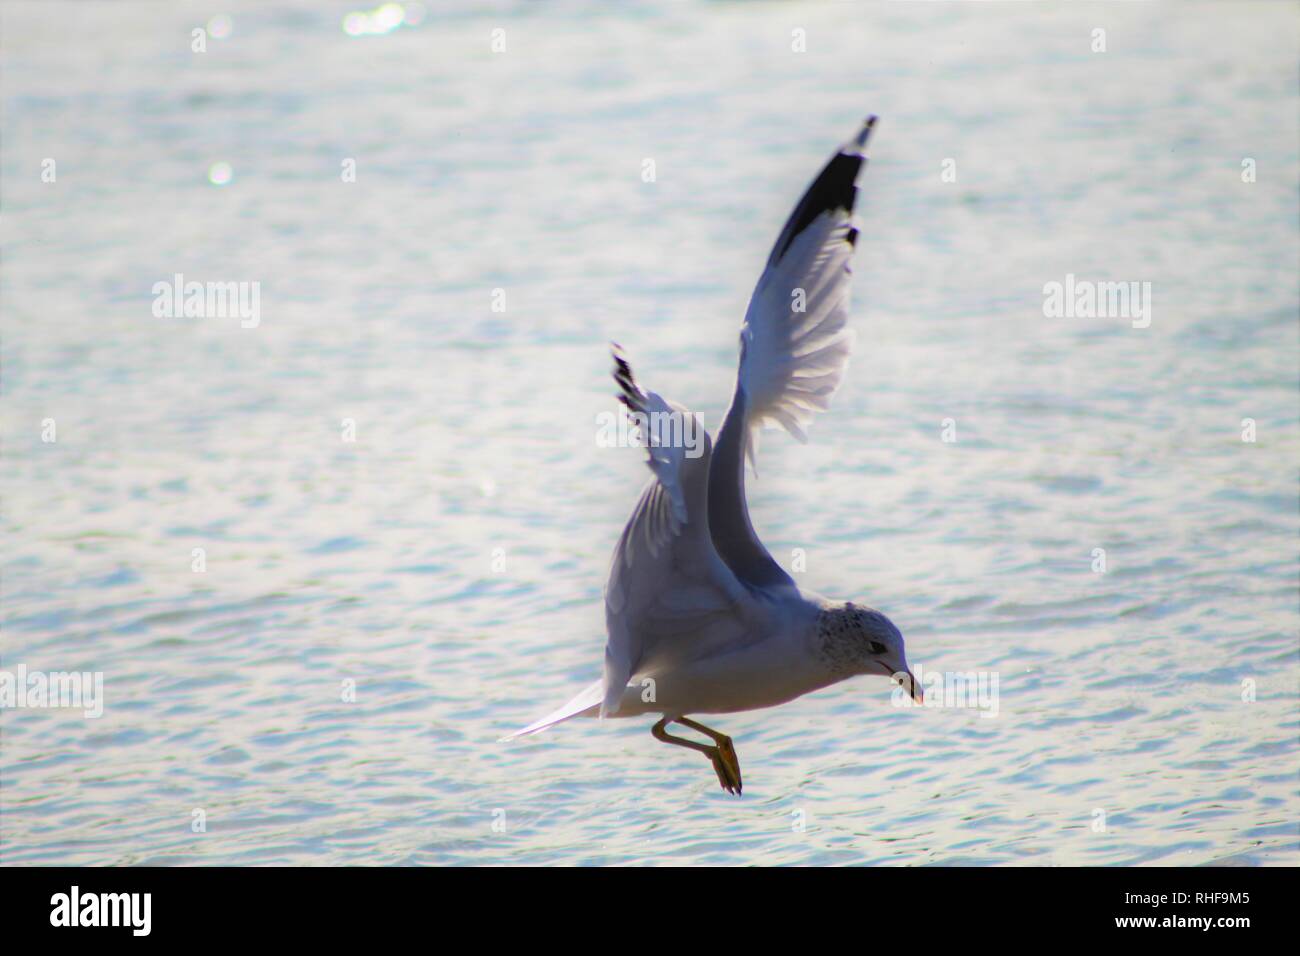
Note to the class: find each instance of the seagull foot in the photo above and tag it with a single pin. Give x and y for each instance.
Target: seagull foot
(727, 765)
(723, 756)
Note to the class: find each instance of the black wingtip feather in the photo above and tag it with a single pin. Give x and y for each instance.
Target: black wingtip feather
(834, 188)
(864, 134)
(630, 393)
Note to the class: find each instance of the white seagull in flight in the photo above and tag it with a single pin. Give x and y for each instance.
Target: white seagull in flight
(700, 618)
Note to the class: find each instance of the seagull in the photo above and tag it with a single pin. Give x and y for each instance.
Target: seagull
(699, 617)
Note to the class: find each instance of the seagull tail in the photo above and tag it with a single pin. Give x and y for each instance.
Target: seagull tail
(588, 699)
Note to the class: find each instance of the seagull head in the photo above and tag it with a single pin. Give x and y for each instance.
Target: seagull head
(861, 640)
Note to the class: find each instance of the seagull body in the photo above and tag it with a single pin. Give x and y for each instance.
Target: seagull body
(700, 618)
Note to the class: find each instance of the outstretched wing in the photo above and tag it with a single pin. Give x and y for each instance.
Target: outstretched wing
(670, 598)
(794, 346)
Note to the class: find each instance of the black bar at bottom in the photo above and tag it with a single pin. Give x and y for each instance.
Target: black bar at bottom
(904, 906)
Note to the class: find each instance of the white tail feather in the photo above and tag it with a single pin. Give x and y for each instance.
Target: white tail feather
(588, 698)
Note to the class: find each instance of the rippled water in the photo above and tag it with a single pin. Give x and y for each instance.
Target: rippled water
(373, 561)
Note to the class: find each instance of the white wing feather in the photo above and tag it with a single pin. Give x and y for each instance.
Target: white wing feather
(670, 599)
(793, 360)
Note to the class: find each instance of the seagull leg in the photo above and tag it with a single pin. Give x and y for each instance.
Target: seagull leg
(723, 756)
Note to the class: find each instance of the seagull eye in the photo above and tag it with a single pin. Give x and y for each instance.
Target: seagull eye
(877, 647)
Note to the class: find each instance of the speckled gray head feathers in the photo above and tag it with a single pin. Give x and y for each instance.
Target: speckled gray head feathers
(859, 640)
